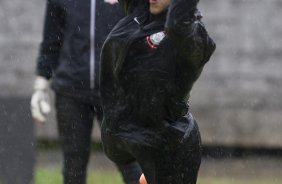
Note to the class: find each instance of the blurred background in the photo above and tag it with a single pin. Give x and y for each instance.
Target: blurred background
(237, 100)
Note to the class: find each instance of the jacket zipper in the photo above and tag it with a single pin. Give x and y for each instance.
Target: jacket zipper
(92, 43)
(129, 41)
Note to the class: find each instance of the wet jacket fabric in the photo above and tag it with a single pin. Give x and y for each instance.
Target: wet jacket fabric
(74, 32)
(152, 84)
(149, 64)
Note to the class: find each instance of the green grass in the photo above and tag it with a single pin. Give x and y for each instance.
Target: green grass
(48, 176)
(53, 176)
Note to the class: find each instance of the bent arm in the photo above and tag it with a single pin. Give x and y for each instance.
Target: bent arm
(187, 32)
(52, 40)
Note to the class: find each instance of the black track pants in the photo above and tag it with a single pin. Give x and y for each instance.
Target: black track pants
(169, 156)
(75, 121)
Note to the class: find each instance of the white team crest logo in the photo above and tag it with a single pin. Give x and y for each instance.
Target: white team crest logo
(155, 39)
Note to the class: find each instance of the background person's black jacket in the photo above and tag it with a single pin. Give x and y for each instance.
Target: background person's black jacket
(70, 50)
(145, 87)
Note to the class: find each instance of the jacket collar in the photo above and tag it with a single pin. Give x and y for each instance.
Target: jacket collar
(161, 17)
(148, 20)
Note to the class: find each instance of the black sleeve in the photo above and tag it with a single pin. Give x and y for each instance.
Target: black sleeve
(131, 5)
(52, 40)
(187, 33)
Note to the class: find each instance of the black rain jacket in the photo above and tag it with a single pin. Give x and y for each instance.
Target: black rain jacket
(146, 79)
(74, 33)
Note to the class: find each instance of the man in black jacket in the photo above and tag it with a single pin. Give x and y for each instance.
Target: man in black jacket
(74, 32)
(149, 64)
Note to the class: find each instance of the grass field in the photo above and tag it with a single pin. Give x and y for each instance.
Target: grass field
(248, 170)
(53, 176)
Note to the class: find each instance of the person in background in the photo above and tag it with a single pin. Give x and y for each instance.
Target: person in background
(149, 64)
(69, 57)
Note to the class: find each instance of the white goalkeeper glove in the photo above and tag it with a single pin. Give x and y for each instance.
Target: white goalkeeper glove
(111, 1)
(40, 100)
